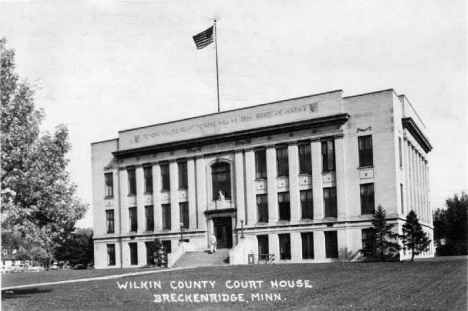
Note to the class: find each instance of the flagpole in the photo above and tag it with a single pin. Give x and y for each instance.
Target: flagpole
(217, 74)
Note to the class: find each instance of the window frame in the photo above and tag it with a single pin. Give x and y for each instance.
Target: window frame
(331, 244)
(260, 164)
(184, 214)
(133, 253)
(219, 169)
(262, 207)
(133, 219)
(305, 158)
(111, 255)
(148, 177)
(284, 206)
(132, 187)
(282, 162)
(110, 221)
(109, 185)
(284, 240)
(308, 251)
(367, 198)
(166, 216)
(330, 202)
(328, 155)
(307, 205)
(366, 152)
(149, 216)
(165, 177)
(182, 174)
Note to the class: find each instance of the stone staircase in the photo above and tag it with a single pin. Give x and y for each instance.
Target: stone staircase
(203, 259)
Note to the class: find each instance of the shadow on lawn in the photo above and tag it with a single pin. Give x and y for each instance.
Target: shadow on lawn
(22, 293)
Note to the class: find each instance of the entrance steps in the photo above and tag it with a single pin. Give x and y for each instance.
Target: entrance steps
(203, 259)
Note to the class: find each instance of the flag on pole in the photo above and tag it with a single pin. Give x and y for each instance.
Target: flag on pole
(204, 38)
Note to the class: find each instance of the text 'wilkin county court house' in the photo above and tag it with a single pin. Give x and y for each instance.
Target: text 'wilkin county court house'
(299, 178)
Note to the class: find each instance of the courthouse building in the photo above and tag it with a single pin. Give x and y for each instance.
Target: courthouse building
(298, 179)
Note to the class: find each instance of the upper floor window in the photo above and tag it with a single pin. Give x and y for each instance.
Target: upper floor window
(131, 181)
(149, 214)
(305, 160)
(132, 211)
(166, 216)
(184, 214)
(282, 166)
(110, 221)
(221, 180)
(262, 207)
(367, 199)
(330, 203)
(284, 206)
(400, 151)
(109, 180)
(165, 180)
(260, 164)
(148, 174)
(366, 157)
(328, 155)
(307, 204)
(182, 169)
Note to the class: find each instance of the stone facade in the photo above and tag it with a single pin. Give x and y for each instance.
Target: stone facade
(299, 178)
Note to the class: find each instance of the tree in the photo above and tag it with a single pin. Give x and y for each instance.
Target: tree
(78, 248)
(38, 198)
(379, 242)
(451, 226)
(413, 237)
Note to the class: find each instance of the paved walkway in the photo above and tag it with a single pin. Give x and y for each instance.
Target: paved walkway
(98, 278)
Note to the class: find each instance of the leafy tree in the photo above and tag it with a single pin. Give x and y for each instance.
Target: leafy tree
(77, 248)
(413, 237)
(379, 242)
(451, 226)
(38, 198)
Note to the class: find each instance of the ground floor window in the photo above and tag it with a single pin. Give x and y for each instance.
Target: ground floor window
(263, 248)
(149, 253)
(133, 253)
(331, 244)
(307, 245)
(167, 246)
(184, 214)
(111, 254)
(285, 246)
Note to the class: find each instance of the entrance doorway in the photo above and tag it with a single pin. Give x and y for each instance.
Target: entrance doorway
(223, 231)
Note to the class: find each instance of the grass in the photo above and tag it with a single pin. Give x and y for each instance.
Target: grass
(421, 285)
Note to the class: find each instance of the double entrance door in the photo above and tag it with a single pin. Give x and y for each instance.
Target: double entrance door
(223, 231)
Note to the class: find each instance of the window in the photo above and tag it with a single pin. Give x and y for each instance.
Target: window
(262, 207)
(111, 254)
(366, 234)
(109, 180)
(184, 214)
(400, 152)
(328, 155)
(110, 221)
(165, 179)
(133, 253)
(260, 164)
(182, 169)
(282, 166)
(402, 199)
(307, 245)
(331, 244)
(149, 213)
(167, 246)
(329, 198)
(307, 204)
(131, 181)
(305, 160)
(285, 246)
(221, 179)
(284, 207)
(367, 199)
(148, 174)
(132, 212)
(149, 253)
(263, 249)
(366, 157)
(166, 216)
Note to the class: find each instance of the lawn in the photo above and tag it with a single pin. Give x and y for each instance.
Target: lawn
(421, 285)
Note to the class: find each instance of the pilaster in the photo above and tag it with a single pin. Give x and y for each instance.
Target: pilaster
(239, 182)
(340, 178)
(174, 193)
(319, 245)
(192, 203)
(317, 188)
(140, 199)
(157, 197)
(123, 179)
(271, 185)
(251, 199)
(294, 196)
(296, 247)
(201, 192)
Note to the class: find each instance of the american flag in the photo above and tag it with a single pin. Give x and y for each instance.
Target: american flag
(204, 38)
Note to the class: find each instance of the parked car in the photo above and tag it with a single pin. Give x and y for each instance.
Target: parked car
(6, 269)
(35, 268)
(18, 268)
(80, 266)
(53, 266)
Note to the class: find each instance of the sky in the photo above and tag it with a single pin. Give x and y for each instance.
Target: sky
(107, 66)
